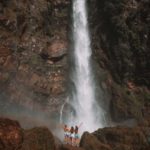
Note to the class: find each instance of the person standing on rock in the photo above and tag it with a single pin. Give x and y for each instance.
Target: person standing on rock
(76, 137)
(72, 135)
(66, 134)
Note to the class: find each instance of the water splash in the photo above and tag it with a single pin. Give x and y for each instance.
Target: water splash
(61, 113)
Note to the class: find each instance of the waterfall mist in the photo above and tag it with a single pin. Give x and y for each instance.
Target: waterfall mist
(83, 99)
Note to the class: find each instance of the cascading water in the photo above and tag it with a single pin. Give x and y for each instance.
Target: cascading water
(84, 100)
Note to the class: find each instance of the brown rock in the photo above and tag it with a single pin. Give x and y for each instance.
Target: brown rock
(57, 48)
(118, 138)
(69, 147)
(90, 142)
(38, 139)
(123, 138)
(4, 51)
(26, 28)
(34, 79)
(11, 135)
(10, 63)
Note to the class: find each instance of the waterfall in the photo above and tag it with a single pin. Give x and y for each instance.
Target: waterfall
(83, 101)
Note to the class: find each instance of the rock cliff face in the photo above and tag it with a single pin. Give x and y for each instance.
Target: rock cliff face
(13, 137)
(33, 54)
(120, 40)
(34, 48)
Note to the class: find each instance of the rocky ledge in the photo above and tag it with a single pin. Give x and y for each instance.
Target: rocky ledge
(118, 138)
(13, 137)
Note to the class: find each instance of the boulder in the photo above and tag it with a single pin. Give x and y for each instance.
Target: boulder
(124, 138)
(11, 135)
(57, 48)
(26, 29)
(38, 139)
(90, 142)
(118, 138)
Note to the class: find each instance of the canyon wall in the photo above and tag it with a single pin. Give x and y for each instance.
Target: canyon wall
(33, 55)
(120, 40)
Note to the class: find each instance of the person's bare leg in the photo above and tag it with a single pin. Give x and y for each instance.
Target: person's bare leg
(78, 142)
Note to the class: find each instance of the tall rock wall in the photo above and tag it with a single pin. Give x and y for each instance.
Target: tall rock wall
(120, 40)
(34, 48)
(33, 54)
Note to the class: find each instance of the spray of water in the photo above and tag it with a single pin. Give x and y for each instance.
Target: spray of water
(84, 99)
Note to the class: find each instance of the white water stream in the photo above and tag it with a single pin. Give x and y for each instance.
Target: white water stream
(84, 100)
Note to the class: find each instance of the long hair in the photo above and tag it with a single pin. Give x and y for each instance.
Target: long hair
(72, 130)
(76, 129)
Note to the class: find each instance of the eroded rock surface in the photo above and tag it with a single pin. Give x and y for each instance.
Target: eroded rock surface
(120, 43)
(13, 137)
(33, 54)
(125, 138)
(38, 139)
